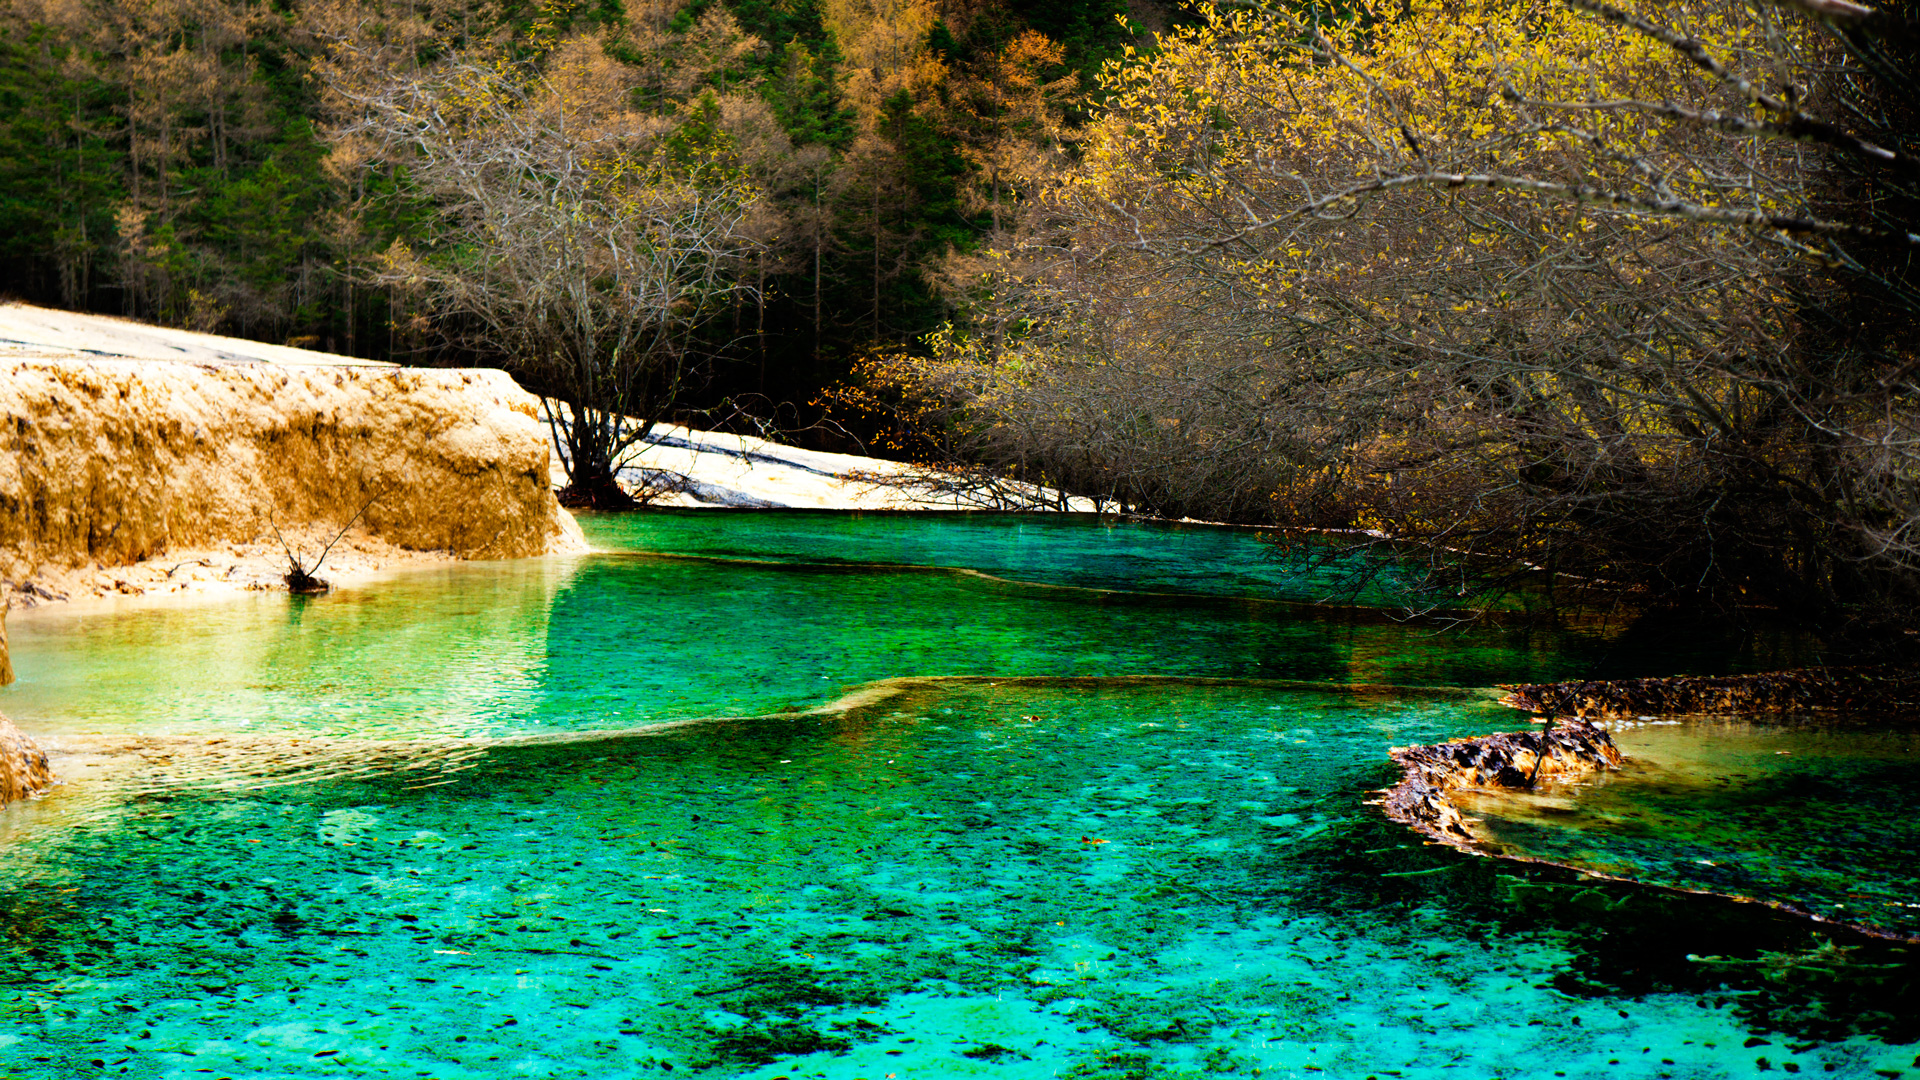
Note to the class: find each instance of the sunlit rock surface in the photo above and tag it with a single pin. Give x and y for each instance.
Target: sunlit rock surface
(6, 659)
(676, 466)
(1511, 761)
(23, 768)
(681, 467)
(112, 462)
(29, 330)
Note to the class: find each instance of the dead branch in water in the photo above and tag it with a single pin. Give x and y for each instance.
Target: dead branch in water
(302, 580)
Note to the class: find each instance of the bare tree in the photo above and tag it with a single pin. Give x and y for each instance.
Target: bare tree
(579, 238)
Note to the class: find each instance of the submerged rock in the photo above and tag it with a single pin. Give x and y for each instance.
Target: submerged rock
(23, 765)
(1510, 760)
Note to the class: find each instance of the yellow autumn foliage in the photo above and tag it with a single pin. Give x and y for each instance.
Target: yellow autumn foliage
(1557, 282)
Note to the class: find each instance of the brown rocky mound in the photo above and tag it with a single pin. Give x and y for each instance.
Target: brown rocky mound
(1423, 799)
(110, 463)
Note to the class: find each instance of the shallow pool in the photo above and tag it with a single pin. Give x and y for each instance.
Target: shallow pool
(1817, 813)
(853, 816)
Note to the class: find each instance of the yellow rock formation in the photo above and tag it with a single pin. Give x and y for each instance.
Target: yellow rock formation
(6, 663)
(23, 767)
(112, 462)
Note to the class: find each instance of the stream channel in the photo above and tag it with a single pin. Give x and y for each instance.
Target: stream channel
(783, 794)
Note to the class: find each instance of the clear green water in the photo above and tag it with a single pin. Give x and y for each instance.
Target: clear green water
(1819, 815)
(619, 640)
(1061, 549)
(1111, 847)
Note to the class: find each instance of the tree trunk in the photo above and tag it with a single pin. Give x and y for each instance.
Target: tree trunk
(595, 490)
(590, 477)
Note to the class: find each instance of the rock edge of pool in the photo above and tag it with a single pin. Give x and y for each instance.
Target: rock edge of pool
(1570, 747)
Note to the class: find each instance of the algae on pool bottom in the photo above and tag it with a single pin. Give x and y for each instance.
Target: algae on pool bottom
(1073, 874)
(1160, 874)
(1807, 811)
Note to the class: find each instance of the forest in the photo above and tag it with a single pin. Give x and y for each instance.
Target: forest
(197, 162)
(1538, 290)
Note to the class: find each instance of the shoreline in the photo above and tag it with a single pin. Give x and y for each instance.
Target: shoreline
(217, 571)
(1875, 688)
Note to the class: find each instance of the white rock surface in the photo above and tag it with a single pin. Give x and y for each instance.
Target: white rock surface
(45, 332)
(713, 469)
(720, 470)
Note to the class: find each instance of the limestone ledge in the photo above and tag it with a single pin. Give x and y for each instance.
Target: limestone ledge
(121, 476)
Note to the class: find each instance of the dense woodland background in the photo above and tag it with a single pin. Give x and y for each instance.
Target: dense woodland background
(169, 160)
(1535, 290)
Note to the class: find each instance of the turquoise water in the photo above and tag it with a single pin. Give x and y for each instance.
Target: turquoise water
(1063, 549)
(797, 817)
(1097, 554)
(626, 639)
(1805, 811)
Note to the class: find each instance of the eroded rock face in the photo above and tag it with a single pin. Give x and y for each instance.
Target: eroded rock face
(113, 462)
(23, 766)
(1423, 799)
(6, 661)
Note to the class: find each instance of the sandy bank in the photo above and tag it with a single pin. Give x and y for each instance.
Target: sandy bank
(112, 463)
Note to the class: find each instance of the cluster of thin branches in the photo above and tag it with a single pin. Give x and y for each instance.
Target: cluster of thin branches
(570, 232)
(1639, 312)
